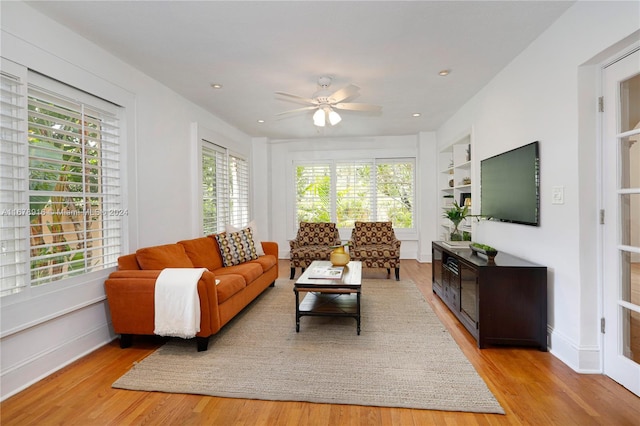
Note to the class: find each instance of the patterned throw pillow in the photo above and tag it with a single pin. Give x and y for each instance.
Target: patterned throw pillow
(252, 226)
(236, 247)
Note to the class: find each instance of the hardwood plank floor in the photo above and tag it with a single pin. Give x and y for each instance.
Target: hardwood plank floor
(534, 388)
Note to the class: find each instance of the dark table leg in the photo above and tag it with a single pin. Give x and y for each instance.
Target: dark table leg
(358, 310)
(295, 290)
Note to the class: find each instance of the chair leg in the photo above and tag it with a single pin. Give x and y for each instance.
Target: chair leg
(398, 273)
(388, 272)
(293, 273)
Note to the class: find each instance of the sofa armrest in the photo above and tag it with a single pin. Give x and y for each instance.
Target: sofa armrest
(131, 297)
(270, 247)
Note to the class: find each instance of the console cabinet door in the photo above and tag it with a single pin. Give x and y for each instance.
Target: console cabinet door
(436, 283)
(469, 295)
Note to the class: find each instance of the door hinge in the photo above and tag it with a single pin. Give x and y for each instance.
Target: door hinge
(601, 104)
(602, 325)
(601, 216)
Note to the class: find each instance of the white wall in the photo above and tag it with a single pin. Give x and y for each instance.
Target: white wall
(45, 328)
(283, 153)
(539, 96)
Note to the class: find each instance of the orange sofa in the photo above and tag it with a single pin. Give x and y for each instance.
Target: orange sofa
(130, 290)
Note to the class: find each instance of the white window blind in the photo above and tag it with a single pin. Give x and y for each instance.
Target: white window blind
(214, 160)
(354, 189)
(313, 192)
(75, 206)
(238, 191)
(14, 242)
(225, 189)
(395, 192)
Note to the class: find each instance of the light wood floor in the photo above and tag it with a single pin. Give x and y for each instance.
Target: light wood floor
(534, 388)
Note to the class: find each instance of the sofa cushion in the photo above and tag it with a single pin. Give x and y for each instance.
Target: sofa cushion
(229, 285)
(165, 256)
(203, 252)
(236, 247)
(249, 271)
(266, 262)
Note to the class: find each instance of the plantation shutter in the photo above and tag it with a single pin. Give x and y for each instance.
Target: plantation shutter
(313, 192)
(14, 242)
(354, 195)
(75, 203)
(238, 191)
(214, 188)
(395, 191)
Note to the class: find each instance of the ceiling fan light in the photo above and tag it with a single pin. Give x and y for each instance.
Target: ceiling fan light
(318, 118)
(334, 118)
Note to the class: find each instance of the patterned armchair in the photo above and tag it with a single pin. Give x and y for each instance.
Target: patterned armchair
(376, 246)
(313, 242)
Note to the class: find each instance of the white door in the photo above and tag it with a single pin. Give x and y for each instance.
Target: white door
(621, 231)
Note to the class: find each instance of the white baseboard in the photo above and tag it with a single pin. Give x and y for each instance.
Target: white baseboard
(29, 371)
(583, 359)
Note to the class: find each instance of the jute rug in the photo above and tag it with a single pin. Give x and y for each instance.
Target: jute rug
(404, 357)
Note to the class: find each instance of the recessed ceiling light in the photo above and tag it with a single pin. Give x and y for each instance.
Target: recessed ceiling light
(444, 72)
(216, 85)
(261, 121)
(416, 114)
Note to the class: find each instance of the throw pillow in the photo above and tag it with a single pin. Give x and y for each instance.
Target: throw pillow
(236, 247)
(254, 232)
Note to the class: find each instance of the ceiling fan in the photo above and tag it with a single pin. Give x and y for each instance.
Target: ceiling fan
(326, 103)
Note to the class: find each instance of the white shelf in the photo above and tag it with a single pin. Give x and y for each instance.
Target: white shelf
(456, 162)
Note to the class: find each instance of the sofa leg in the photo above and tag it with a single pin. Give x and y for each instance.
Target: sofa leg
(293, 273)
(273, 284)
(126, 340)
(388, 272)
(203, 343)
(398, 274)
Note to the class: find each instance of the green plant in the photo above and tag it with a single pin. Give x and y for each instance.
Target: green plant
(456, 214)
(484, 247)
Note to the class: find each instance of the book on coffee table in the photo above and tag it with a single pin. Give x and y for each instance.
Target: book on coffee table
(326, 272)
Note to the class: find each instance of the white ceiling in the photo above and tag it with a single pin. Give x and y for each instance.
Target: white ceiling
(392, 50)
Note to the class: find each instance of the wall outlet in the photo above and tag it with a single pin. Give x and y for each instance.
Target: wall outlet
(557, 195)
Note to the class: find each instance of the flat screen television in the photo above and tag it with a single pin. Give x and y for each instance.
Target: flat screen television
(510, 186)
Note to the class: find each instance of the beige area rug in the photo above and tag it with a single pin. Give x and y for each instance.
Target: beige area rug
(404, 356)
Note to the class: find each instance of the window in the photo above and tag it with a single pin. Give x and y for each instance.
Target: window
(62, 215)
(346, 192)
(225, 189)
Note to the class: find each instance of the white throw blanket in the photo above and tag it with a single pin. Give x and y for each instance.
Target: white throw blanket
(177, 303)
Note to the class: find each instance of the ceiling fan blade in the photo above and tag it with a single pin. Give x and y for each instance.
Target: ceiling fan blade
(344, 93)
(297, 110)
(358, 107)
(298, 98)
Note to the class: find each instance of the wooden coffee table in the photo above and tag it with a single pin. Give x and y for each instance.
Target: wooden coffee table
(329, 297)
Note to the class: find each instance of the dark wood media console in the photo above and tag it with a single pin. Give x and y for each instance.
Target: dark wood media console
(500, 303)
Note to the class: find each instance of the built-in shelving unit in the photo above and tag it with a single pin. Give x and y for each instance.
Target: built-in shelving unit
(454, 182)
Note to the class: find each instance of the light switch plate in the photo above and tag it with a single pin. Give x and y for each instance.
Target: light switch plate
(557, 195)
